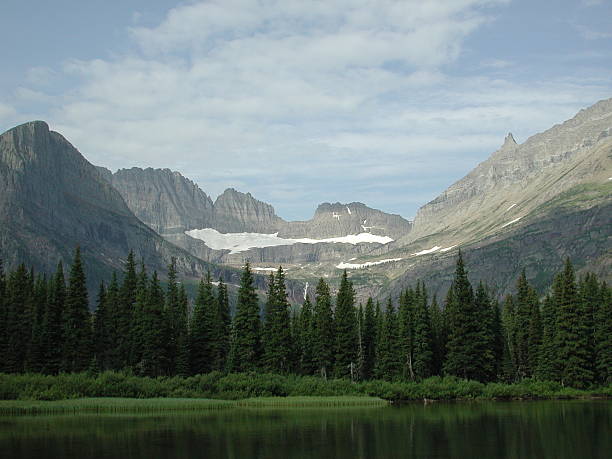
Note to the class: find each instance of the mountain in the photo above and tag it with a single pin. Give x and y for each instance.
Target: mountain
(528, 205)
(180, 211)
(52, 199)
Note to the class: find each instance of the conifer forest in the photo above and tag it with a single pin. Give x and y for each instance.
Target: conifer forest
(153, 329)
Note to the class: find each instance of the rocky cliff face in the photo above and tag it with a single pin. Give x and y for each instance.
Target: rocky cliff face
(166, 201)
(52, 200)
(518, 178)
(237, 212)
(333, 220)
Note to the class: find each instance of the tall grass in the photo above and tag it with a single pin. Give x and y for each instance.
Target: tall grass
(243, 386)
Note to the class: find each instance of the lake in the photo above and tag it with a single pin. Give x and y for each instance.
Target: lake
(547, 429)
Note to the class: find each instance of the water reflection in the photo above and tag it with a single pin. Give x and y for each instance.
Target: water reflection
(571, 429)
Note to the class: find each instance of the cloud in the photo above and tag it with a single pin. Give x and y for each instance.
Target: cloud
(303, 102)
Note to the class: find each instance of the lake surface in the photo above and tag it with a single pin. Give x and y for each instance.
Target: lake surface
(567, 429)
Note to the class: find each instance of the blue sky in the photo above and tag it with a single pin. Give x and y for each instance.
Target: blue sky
(301, 102)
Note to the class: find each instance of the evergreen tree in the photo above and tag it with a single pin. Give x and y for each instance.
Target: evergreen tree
(345, 319)
(124, 313)
(548, 368)
(572, 336)
(101, 343)
(439, 333)
(482, 304)
(205, 313)
(175, 319)
(154, 336)
(527, 328)
(54, 323)
(589, 297)
(245, 348)
(3, 317)
(324, 329)
(307, 339)
(466, 334)
(369, 340)
(222, 335)
(405, 330)
(603, 335)
(77, 323)
(508, 370)
(138, 319)
(387, 356)
(36, 349)
(277, 330)
(19, 319)
(422, 347)
(182, 355)
(112, 360)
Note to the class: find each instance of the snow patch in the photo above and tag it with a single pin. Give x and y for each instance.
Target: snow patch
(240, 242)
(448, 248)
(426, 251)
(344, 265)
(336, 216)
(511, 222)
(305, 291)
(510, 207)
(348, 210)
(264, 269)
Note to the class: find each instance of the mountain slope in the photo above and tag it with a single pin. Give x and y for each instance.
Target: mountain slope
(52, 199)
(528, 205)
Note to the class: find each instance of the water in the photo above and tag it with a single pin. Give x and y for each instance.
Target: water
(569, 429)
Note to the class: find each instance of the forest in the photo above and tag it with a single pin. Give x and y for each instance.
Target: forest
(146, 328)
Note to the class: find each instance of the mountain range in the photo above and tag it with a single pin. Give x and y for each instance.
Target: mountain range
(528, 205)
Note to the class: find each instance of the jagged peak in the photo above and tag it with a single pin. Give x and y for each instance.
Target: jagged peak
(509, 140)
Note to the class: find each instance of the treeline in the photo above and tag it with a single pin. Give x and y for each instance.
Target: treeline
(148, 329)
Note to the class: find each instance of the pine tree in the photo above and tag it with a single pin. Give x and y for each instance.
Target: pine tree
(422, 352)
(439, 333)
(138, 319)
(124, 313)
(589, 298)
(603, 335)
(324, 329)
(572, 335)
(36, 348)
(277, 330)
(345, 319)
(19, 319)
(508, 370)
(101, 342)
(405, 332)
(466, 334)
(3, 318)
(182, 355)
(205, 313)
(486, 343)
(527, 328)
(154, 355)
(222, 338)
(369, 340)
(54, 323)
(245, 348)
(77, 323)
(112, 359)
(387, 356)
(175, 319)
(548, 364)
(306, 338)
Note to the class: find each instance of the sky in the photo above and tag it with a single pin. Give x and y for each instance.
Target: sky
(300, 102)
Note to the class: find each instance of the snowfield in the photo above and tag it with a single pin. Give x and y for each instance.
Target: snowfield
(344, 265)
(240, 242)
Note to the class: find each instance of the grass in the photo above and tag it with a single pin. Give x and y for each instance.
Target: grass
(310, 402)
(110, 405)
(135, 405)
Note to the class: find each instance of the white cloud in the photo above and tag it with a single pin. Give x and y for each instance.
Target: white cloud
(300, 102)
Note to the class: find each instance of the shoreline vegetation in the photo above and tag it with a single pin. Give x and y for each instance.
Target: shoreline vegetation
(113, 392)
(155, 347)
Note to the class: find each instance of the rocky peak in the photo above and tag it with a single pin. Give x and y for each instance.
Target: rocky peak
(509, 141)
(238, 212)
(164, 200)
